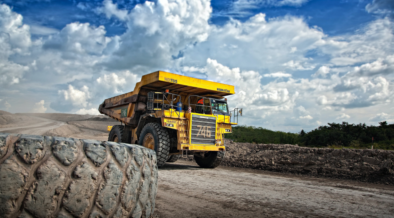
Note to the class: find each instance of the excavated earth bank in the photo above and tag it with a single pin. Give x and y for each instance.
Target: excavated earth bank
(366, 165)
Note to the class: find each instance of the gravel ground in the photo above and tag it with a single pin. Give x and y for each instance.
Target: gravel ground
(185, 190)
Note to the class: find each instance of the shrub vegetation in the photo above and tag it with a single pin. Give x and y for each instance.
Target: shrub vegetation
(334, 135)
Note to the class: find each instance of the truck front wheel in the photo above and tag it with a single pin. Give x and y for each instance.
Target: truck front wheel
(155, 137)
(116, 134)
(211, 159)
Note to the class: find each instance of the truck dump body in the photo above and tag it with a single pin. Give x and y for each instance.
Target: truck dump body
(161, 80)
(164, 80)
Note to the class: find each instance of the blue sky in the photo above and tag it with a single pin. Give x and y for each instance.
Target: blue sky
(334, 17)
(295, 64)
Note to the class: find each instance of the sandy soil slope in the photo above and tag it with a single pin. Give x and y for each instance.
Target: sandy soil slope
(66, 125)
(186, 190)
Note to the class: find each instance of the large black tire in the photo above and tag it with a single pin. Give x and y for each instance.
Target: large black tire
(161, 141)
(173, 158)
(211, 159)
(173, 146)
(43, 176)
(119, 134)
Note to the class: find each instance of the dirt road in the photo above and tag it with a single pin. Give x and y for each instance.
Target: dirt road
(186, 190)
(37, 126)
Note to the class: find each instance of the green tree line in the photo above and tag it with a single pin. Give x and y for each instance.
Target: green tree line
(260, 135)
(335, 135)
(350, 135)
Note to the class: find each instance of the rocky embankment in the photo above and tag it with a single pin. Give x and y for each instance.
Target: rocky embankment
(358, 164)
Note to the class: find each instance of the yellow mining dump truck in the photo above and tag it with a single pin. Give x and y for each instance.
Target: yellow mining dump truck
(172, 114)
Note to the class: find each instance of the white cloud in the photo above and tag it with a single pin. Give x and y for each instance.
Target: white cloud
(17, 34)
(82, 6)
(247, 83)
(367, 45)
(241, 8)
(301, 110)
(116, 83)
(273, 97)
(78, 39)
(322, 100)
(257, 100)
(296, 65)
(4, 105)
(308, 117)
(380, 7)
(277, 74)
(249, 45)
(91, 111)
(322, 71)
(382, 117)
(362, 92)
(104, 86)
(110, 9)
(42, 30)
(159, 32)
(343, 116)
(288, 2)
(39, 107)
(11, 73)
(221, 73)
(14, 39)
(76, 97)
(380, 66)
(193, 69)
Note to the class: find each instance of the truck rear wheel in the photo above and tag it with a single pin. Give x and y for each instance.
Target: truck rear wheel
(173, 158)
(211, 159)
(43, 176)
(155, 137)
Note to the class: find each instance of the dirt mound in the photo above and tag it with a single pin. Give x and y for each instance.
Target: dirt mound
(63, 131)
(55, 124)
(59, 117)
(9, 118)
(357, 164)
(376, 166)
(70, 117)
(4, 113)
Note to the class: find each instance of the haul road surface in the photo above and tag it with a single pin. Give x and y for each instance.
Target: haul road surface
(185, 190)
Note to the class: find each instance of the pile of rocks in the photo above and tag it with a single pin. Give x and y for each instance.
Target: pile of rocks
(358, 164)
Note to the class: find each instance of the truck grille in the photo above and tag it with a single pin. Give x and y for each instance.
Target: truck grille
(203, 130)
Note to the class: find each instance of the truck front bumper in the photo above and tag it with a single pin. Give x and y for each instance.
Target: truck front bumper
(202, 147)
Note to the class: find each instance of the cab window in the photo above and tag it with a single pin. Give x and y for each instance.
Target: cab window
(219, 107)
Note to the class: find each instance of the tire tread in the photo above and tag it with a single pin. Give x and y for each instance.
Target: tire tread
(47, 176)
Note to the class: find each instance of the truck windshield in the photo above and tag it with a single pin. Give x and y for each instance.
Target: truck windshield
(219, 107)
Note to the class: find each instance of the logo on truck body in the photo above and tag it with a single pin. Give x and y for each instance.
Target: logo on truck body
(223, 90)
(170, 80)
